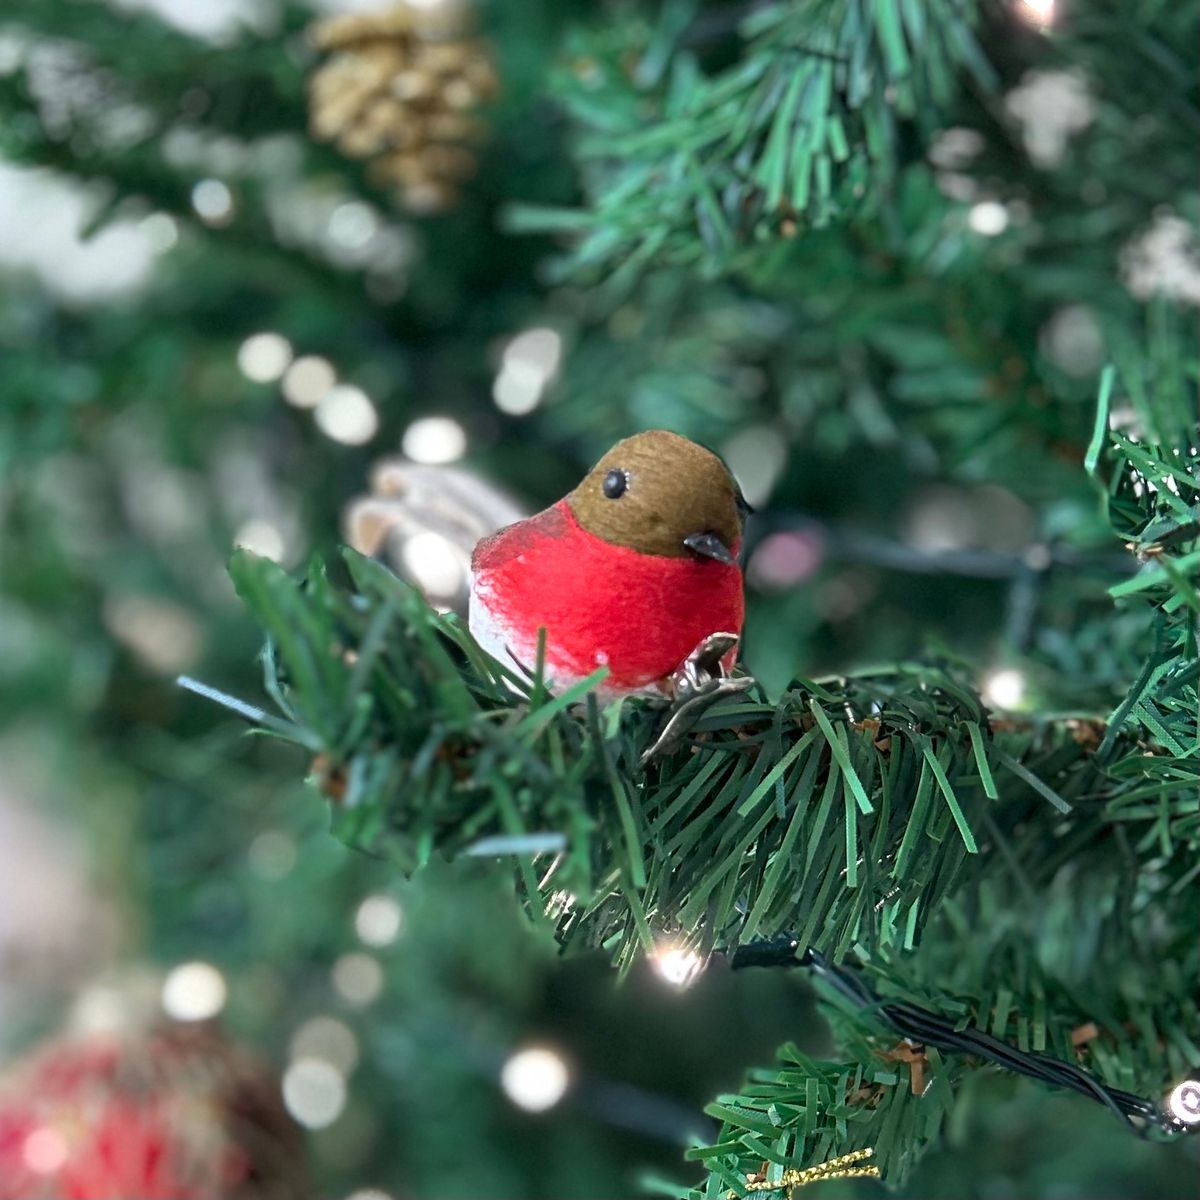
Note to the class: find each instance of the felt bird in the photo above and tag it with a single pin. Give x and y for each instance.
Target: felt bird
(632, 570)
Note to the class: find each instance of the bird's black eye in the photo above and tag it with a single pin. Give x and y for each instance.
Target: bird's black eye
(615, 483)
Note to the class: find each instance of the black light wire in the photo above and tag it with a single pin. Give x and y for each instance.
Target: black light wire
(920, 1025)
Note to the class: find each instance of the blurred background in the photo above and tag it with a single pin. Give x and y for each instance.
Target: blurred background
(280, 275)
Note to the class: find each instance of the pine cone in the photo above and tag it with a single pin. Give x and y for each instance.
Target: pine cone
(176, 1114)
(397, 90)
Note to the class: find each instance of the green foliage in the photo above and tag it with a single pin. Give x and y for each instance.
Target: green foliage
(804, 126)
(844, 815)
(841, 814)
(1025, 875)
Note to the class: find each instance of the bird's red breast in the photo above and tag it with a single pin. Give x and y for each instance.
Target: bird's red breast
(600, 603)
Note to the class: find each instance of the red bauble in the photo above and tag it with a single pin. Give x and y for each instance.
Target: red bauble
(175, 1114)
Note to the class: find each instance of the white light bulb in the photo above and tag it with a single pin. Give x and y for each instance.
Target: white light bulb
(378, 920)
(264, 357)
(988, 218)
(326, 1039)
(194, 991)
(359, 979)
(677, 965)
(345, 414)
(1004, 688)
(531, 360)
(535, 1079)
(162, 231)
(1037, 12)
(434, 440)
(213, 202)
(1184, 1102)
(308, 381)
(314, 1092)
(353, 225)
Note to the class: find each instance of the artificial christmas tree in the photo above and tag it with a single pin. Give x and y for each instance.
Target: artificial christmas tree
(923, 275)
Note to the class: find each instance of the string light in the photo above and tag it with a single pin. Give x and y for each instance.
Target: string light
(1004, 688)
(358, 978)
(194, 991)
(530, 362)
(264, 357)
(308, 381)
(379, 920)
(1147, 1118)
(345, 414)
(314, 1092)
(678, 965)
(1037, 12)
(160, 230)
(1184, 1102)
(213, 202)
(535, 1078)
(326, 1039)
(434, 440)
(988, 218)
(352, 225)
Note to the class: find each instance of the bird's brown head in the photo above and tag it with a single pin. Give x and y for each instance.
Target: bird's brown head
(659, 493)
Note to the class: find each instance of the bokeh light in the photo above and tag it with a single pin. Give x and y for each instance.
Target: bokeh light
(529, 363)
(1037, 12)
(213, 202)
(326, 1039)
(308, 381)
(264, 357)
(314, 1092)
(988, 218)
(358, 978)
(194, 991)
(345, 414)
(1184, 1102)
(535, 1078)
(44, 1150)
(1004, 688)
(434, 440)
(678, 965)
(379, 920)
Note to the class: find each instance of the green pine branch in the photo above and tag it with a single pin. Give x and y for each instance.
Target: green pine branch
(842, 814)
(855, 815)
(896, 1097)
(804, 127)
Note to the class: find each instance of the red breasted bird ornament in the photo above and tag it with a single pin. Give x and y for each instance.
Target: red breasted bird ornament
(633, 570)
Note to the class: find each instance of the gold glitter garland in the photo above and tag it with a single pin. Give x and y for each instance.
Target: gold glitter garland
(844, 1167)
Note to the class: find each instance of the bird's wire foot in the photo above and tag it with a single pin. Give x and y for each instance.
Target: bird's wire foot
(698, 684)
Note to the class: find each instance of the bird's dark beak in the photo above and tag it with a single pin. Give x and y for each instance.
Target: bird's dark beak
(710, 546)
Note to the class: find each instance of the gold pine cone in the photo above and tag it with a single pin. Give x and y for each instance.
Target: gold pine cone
(398, 89)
